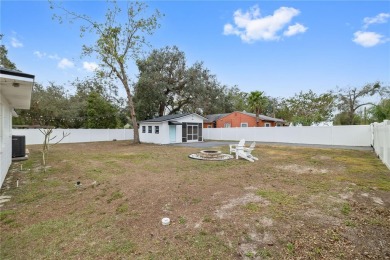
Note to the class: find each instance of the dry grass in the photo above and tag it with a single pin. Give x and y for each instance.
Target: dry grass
(297, 203)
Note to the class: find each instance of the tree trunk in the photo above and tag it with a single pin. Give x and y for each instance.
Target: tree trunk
(161, 109)
(133, 116)
(351, 115)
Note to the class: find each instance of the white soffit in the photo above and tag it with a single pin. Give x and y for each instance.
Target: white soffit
(16, 88)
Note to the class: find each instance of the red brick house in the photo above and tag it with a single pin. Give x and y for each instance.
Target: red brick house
(241, 119)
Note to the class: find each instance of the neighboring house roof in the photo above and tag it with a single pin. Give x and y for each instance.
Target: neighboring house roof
(169, 117)
(214, 117)
(264, 118)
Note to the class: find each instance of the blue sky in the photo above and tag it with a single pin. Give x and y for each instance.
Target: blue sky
(279, 47)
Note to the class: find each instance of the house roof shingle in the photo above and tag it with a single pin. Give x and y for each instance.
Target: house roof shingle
(265, 118)
(215, 117)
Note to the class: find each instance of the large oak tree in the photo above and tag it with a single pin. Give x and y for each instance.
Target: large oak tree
(166, 85)
(118, 41)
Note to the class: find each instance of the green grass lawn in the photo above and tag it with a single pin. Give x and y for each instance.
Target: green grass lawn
(294, 203)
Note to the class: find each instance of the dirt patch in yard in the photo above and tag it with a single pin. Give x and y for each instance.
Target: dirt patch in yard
(294, 203)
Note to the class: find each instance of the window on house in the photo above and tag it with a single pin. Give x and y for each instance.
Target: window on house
(150, 129)
(267, 124)
(278, 125)
(209, 126)
(227, 125)
(157, 129)
(244, 124)
(143, 129)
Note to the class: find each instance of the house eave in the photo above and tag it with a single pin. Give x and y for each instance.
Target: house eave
(16, 87)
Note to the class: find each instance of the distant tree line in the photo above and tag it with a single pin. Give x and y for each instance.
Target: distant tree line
(168, 85)
(94, 105)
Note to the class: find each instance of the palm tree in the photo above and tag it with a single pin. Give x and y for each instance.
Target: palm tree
(257, 101)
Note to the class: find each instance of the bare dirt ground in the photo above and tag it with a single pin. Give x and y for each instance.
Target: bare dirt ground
(294, 203)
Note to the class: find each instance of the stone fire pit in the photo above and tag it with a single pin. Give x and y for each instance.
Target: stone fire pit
(210, 155)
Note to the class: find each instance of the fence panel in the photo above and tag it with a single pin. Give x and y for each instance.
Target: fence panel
(352, 135)
(359, 135)
(381, 141)
(34, 136)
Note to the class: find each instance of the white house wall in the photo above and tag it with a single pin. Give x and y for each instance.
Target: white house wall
(188, 119)
(151, 137)
(163, 136)
(5, 138)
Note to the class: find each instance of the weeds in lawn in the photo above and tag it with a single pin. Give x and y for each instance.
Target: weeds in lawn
(120, 247)
(350, 223)
(29, 196)
(123, 208)
(250, 254)
(114, 196)
(182, 220)
(207, 219)
(6, 216)
(290, 248)
(253, 207)
(264, 253)
(345, 209)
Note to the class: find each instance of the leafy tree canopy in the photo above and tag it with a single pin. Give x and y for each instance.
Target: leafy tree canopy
(349, 100)
(307, 108)
(4, 61)
(118, 41)
(166, 85)
(257, 102)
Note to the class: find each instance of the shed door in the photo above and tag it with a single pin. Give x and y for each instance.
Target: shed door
(192, 132)
(172, 134)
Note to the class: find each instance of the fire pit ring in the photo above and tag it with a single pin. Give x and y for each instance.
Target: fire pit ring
(210, 155)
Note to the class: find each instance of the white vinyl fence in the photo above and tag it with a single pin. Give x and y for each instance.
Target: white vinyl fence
(381, 141)
(34, 136)
(377, 135)
(359, 135)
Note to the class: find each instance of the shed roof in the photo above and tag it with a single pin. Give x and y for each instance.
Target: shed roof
(169, 117)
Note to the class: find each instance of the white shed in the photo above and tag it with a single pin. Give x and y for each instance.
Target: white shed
(169, 129)
(15, 92)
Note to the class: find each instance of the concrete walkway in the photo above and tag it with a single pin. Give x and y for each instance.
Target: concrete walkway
(207, 144)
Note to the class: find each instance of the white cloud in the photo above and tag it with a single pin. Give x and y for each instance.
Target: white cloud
(54, 57)
(39, 54)
(295, 29)
(250, 26)
(371, 39)
(65, 63)
(16, 43)
(380, 18)
(368, 39)
(42, 55)
(229, 29)
(90, 66)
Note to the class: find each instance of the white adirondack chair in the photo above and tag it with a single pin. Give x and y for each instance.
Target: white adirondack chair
(242, 152)
(249, 150)
(233, 147)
